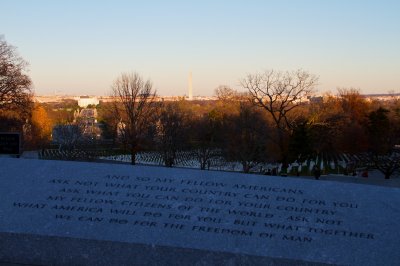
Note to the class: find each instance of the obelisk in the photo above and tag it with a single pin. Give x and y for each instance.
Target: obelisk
(190, 87)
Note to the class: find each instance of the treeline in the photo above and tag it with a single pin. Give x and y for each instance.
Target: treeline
(239, 130)
(18, 112)
(275, 118)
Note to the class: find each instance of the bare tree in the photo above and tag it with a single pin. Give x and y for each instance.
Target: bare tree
(15, 85)
(388, 164)
(135, 100)
(224, 92)
(279, 93)
(67, 136)
(353, 104)
(245, 139)
(171, 132)
(206, 138)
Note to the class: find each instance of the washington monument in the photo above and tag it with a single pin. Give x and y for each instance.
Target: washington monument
(190, 87)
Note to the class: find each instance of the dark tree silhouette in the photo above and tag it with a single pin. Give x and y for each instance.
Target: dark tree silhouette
(206, 138)
(134, 108)
(15, 89)
(15, 84)
(279, 93)
(170, 132)
(246, 137)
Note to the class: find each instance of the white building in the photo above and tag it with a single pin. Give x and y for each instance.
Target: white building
(84, 101)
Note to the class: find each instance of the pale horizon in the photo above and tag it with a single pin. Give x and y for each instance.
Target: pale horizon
(81, 47)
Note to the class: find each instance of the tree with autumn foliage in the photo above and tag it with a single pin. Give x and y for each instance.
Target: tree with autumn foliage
(41, 127)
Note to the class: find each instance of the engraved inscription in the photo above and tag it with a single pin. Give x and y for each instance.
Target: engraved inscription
(199, 207)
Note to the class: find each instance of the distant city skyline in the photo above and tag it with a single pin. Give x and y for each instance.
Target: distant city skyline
(80, 47)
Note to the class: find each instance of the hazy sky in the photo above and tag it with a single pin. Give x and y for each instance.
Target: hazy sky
(81, 46)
